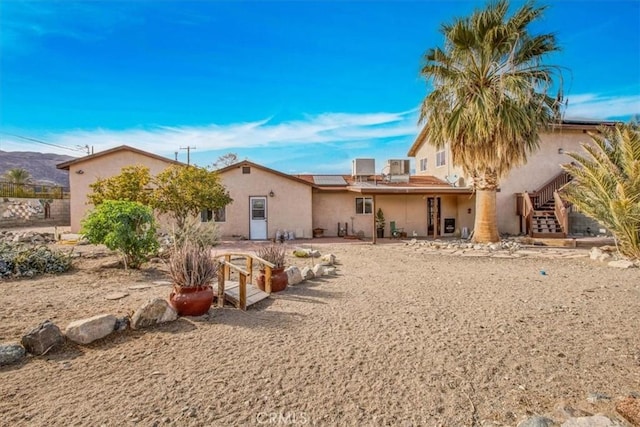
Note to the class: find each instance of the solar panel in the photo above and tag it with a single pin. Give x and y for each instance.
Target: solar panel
(329, 180)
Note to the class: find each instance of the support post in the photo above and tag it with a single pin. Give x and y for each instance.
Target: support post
(267, 279)
(249, 269)
(373, 219)
(243, 291)
(221, 288)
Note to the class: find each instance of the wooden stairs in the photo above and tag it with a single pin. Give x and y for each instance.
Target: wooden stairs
(544, 212)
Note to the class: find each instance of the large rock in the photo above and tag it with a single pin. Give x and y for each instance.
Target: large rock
(11, 353)
(42, 338)
(594, 421)
(307, 273)
(319, 270)
(538, 421)
(621, 263)
(294, 275)
(85, 331)
(153, 312)
(629, 408)
(328, 259)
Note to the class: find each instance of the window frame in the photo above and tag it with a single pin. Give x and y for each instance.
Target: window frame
(364, 200)
(424, 164)
(213, 215)
(441, 158)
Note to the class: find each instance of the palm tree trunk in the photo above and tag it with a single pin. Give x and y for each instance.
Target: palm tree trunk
(485, 228)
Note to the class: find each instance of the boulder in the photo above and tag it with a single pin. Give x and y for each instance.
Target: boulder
(85, 331)
(153, 312)
(621, 263)
(594, 421)
(328, 259)
(629, 408)
(538, 421)
(294, 275)
(42, 338)
(319, 270)
(307, 273)
(11, 353)
(330, 271)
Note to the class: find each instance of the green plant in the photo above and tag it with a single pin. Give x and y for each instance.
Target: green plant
(17, 260)
(606, 184)
(183, 191)
(380, 221)
(490, 97)
(127, 227)
(131, 184)
(202, 234)
(273, 253)
(191, 265)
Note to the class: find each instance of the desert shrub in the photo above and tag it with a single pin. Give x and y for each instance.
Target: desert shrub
(273, 253)
(126, 227)
(191, 265)
(17, 260)
(201, 234)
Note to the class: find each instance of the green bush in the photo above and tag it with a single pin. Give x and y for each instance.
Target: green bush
(123, 226)
(29, 261)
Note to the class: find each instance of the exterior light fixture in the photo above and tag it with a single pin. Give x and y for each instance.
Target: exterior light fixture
(560, 150)
(271, 193)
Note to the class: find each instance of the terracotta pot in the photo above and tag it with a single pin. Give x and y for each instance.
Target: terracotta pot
(194, 301)
(279, 279)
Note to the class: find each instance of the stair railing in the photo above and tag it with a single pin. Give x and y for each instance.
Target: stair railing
(527, 212)
(545, 193)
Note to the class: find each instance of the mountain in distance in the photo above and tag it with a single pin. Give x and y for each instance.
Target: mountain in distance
(41, 166)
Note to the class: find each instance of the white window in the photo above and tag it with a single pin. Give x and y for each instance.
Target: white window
(216, 215)
(441, 158)
(423, 164)
(364, 205)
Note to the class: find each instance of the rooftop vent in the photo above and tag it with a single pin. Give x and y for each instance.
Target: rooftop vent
(363, 167)
(398, 167)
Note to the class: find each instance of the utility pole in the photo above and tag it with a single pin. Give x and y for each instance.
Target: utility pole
(188, 148)
(176, 156)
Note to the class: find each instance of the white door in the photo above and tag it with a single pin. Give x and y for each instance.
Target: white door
(258, 218)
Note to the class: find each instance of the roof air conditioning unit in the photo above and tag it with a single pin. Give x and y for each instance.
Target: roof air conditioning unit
(363, 167)
(398, 167)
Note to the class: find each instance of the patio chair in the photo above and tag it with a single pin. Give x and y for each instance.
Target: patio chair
(396, 232)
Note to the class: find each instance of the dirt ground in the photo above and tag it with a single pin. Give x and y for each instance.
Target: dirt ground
(401, 336)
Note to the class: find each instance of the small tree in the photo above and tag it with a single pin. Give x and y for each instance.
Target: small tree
(125, 226)
(606, 184)
(183, 191)
(380, 221)
(131, 184)
(18, 176)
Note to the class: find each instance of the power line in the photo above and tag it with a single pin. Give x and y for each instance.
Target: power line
(42, 142)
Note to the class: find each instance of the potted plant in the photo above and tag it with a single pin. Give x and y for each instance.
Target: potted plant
(274, 254)
(380, 223)
(192, 270)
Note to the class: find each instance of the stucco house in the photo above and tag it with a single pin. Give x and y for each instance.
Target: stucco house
(264, 201)
(539, 178)
(86, 170)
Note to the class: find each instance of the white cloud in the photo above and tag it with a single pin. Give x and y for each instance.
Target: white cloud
(600, 106)
(344, 129)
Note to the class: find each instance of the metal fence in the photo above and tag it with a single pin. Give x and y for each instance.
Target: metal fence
(31, 191)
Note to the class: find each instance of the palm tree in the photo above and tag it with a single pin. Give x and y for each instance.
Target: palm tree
(18, 176)
(606, 184)
(490, 98)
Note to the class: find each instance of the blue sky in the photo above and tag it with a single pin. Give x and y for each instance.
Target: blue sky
(298, 86)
